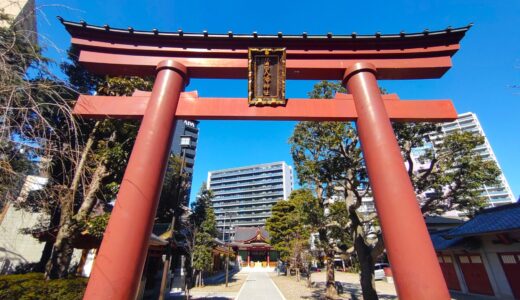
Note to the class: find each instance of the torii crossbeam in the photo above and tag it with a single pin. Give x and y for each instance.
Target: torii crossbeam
(356, 60)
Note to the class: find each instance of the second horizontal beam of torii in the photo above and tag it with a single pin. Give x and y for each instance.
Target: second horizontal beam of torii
(191, 106)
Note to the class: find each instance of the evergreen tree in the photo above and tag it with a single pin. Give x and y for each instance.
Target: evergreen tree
(286, 226)
(205, 224)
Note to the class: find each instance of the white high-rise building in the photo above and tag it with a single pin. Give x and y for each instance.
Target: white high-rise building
(468, 122)
(244, 196)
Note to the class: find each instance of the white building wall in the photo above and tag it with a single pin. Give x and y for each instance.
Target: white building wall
(288, 181)
(17, 248)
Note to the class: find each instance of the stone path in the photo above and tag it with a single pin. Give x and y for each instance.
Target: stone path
(259, 286)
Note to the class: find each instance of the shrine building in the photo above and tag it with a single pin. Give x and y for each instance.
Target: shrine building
(253, 248)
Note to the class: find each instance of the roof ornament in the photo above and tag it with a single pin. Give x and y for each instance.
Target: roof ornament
(131, 29)
(83, 23)
(181, 33)
(402, 33)
(155, 31)
(107, 27)
(255, 34)
(329, 35)
(304, 35)
(353, 34)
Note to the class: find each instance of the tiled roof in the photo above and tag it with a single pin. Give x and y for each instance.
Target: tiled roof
(441, 243)
(442, 220)
(493, 220)
(247, 233)
(427, 38)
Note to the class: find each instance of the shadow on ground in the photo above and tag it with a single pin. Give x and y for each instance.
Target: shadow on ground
(350, 291)
(220, 278)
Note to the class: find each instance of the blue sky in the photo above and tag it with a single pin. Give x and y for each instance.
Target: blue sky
(482, 79)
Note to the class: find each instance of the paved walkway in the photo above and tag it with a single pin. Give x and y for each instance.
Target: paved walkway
(259, 286)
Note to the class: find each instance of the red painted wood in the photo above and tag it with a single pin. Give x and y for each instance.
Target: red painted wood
(153, 49)
(511, 265)
(415, 268)
(448, 270)
(192, 107)
(475, 274)
(236, 68)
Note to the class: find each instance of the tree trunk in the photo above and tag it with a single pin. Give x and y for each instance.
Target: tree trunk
(44, 259)
(47, 249)
(331, 292)
(366, 263)
(58, 265)
(70, 225)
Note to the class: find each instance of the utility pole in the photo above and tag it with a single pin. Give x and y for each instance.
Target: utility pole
(227, 264)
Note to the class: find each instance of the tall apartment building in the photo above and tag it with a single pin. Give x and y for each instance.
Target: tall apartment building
(244, 196)
(185, 128)
(468, 122)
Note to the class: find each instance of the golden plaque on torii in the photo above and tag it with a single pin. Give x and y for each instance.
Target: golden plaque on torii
(266, 77)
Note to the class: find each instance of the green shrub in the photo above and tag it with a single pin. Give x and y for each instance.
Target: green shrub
(33, 286)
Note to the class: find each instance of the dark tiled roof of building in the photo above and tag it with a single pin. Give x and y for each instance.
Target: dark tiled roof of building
(440, 242)
(247, 233)
(493, 220)
(292, 41)
(442, 220)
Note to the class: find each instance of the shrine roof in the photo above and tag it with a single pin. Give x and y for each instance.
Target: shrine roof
(246, 234)
(231, 40)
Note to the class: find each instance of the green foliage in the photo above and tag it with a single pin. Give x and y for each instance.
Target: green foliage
(96, 225)
(288, 227)
(456, 175)
(202, 258)
(202, 203)
(326, 89)
(33, 286)
(205, 223)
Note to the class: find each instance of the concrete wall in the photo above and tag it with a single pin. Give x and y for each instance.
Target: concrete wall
(17, 248)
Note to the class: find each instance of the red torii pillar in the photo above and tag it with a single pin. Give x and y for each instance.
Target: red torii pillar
(118, 267)
(394, 196)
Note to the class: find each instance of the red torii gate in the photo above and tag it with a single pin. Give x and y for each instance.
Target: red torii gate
(357, 60)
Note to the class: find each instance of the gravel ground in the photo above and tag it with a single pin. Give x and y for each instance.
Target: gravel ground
(350, 282)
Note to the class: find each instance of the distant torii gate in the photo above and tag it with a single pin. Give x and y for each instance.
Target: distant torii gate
(357, 60)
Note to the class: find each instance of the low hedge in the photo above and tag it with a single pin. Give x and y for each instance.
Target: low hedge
(33, 286)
